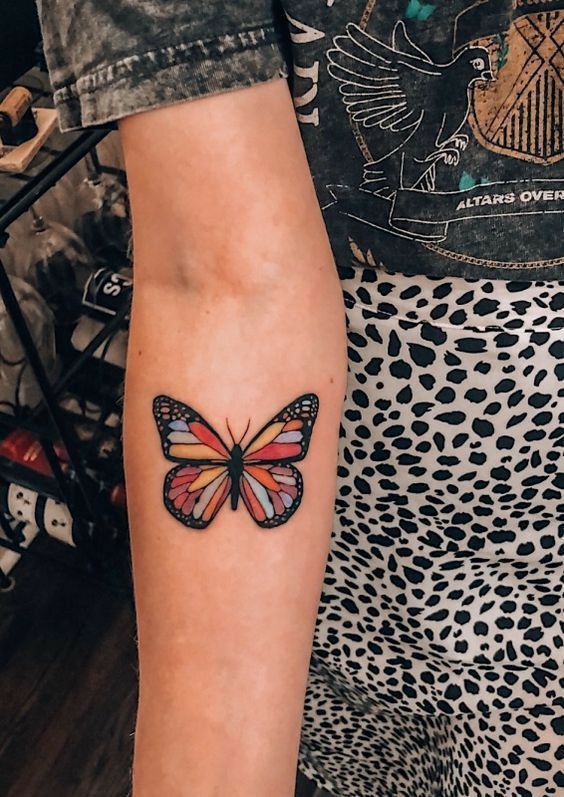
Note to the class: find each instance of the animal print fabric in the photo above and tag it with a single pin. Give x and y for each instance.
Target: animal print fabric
(436, 667)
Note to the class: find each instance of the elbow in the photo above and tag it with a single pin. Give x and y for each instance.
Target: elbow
(214, 277)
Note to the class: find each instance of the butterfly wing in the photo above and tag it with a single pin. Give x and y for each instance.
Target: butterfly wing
(194, 494)
(195, 490)
(286, 437)
(270, 486)
(271, 492)
(185, 435)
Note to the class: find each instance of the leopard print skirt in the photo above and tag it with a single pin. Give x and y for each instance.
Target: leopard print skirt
(437, 653)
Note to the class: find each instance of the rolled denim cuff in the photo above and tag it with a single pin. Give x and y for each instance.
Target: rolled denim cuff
(171, 74)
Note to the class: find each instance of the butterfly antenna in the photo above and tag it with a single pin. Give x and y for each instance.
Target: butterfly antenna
(245, 432)
(230, 432)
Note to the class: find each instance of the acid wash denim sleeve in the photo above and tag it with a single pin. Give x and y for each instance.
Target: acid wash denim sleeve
(112, 58)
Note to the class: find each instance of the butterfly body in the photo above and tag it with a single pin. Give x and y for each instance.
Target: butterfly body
(236, 468)
(261, 474)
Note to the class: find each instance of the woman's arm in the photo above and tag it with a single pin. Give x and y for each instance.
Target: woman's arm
(237, 311)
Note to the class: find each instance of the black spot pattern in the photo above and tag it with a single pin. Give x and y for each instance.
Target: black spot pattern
(436, 666)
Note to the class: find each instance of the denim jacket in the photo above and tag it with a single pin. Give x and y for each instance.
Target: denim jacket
(434, 129)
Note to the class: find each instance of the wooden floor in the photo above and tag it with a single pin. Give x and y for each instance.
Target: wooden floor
(68, 684)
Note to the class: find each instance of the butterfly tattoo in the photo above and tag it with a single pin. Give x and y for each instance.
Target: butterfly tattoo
(261, 473)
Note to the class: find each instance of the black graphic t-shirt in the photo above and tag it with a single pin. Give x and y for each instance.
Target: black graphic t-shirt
(434, 129)
(435, 132)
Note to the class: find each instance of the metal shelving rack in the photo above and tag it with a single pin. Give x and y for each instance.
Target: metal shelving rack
(99, 532)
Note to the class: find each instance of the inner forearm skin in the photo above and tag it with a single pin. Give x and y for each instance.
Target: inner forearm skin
(236, 325)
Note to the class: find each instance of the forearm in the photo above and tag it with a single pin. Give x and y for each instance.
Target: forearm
(237, 312)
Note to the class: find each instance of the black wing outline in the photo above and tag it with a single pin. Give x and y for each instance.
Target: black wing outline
(167, 410)
(304, 408)
(278, 520)
(188, 519)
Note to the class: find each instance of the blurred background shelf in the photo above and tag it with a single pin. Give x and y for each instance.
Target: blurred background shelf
(62, 345)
